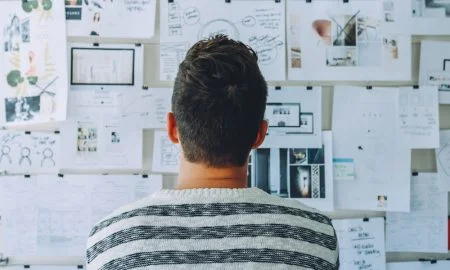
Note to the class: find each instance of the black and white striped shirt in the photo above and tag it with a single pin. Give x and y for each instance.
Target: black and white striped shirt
(213, 229)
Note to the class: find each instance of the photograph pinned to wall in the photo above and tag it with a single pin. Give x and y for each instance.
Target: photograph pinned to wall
(166, 155)
(146, 109)
(101, 142)
(358, 40)
(304, 174)
(97, 18)
(35, 71)
(430, 17)
(295, 116)
(29, 152)
(115, 66)
(366, 159)
(435, 67)
(261, 25)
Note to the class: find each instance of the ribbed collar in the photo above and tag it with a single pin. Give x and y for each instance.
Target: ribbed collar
(210, 192)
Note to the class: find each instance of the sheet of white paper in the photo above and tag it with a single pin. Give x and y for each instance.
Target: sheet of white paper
(93, 102)
(260, 24)
(42, 267)
(18, 205)
(295, 117)
(146, 109)
(305, 174)
(381, 161)
(430, 17)
(443, 160)
(424, 229)
(361, 243)
(97, 18)
(63, 223)
(29, 152)
(419, 116)
(435, 67)
(439, 265)
(101, 142)
(106, 66)
(358, 40)
(166, 155)
(33, 67)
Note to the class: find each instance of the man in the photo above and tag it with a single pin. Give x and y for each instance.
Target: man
(212, 221)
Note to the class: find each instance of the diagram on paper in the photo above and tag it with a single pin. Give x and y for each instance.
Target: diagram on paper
(35, 152)
(260, 26)
(166, 155)
(329, 40)
(33, 40)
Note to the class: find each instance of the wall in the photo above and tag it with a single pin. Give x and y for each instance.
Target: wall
(422, 160)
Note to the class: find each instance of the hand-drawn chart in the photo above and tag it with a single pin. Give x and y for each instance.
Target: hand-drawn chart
(100, 18)
(260, 25)
(34, 70)
(358, 40)
(23, 152)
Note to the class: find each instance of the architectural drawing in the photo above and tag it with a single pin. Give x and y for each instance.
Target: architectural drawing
(260, 25)
(295, 116)
(98, 18)
(116, 66)
(23, 152)
(358, 40)
(430, 17)
(33, 38)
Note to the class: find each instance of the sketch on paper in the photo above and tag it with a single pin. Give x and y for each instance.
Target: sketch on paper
(329, 40)
(260, 26)
(100, 18)
(33, 49)
(35, 152)
(102, 66)
(435, 67)
(170, 154)
(166, 155)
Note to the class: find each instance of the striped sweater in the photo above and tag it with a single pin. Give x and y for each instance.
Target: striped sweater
(213, 229)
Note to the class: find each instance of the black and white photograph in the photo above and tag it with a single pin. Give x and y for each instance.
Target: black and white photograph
(87, 139)
(300, 181)
(12, 34)
(22, 109)
(298, 156)
(316, 155)
(283, 114)
(342, 57)
(115, 137)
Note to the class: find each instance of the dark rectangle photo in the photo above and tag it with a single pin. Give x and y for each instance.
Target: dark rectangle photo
(298, 156)
(316, 156)
(22, 109)
(300, 181)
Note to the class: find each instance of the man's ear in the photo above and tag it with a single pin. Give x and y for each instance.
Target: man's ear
(172, 130)
(261, 134)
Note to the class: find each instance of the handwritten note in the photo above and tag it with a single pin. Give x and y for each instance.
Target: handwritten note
(424, 229)
(361, 243)
(443, 160)
(419, 116)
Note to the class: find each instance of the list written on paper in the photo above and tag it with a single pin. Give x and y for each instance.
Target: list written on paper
(361, 244)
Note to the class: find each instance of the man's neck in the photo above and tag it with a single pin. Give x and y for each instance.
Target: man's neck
(194, 175)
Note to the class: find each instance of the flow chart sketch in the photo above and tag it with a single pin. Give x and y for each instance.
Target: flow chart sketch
(97, 18)
(356, 40)
(295, 117)
(430, 17)
(166, 155)
(373, 164)
(29, 152)
(146, 109)
(443, 160)
(33, 66)
(101, 142)
(259, 24)
(106, 65)
(435, 67)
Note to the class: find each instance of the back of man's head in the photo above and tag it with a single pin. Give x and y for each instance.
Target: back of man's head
(219, 102)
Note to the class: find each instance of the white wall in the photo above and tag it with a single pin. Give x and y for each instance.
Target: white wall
(422, 160)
